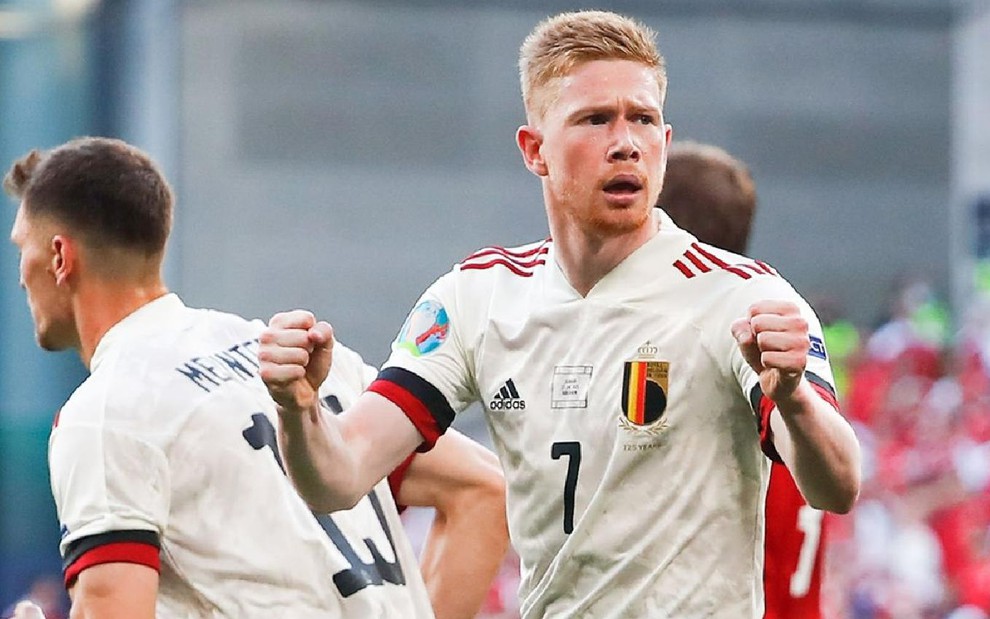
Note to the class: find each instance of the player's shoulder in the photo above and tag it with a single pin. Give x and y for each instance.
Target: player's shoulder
(147, 369)
(720, 286)
(520, 262)
(152, 354)
(186, 330)
(87, 404)
(701, 262)
(117, 399)
(235, 324)
(706, 266)
(117, 395)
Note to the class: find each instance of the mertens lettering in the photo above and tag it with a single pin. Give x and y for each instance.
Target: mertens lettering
(211, 371)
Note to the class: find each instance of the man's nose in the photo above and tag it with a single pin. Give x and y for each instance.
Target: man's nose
(624, 146)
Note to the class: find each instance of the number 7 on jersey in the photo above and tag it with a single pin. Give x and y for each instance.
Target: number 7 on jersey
(571, 449)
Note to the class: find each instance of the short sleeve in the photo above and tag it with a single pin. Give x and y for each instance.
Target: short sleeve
(111, 491)
(429, 372)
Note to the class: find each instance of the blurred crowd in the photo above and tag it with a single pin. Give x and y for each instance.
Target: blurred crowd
(917, 389)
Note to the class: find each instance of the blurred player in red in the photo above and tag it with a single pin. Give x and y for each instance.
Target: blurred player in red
(711, 194)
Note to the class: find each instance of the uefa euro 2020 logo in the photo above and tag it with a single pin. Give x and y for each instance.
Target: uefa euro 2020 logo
(425, 329)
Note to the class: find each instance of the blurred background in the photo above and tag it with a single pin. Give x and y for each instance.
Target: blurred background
(339, 156)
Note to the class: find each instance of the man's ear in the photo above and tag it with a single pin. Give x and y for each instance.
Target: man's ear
(65, 257)
(530, 141)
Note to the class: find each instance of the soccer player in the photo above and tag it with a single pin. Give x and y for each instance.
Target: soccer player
(710, 193)
(166, 474)
(630, 374)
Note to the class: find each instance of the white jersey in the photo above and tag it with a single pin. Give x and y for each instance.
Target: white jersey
(627, 422)
(166, 456)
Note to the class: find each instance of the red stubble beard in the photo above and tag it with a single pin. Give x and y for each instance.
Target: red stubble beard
(599, 217)
(606, 219)
(613, 223)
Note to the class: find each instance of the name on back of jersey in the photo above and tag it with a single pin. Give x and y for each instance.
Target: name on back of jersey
(236, 363)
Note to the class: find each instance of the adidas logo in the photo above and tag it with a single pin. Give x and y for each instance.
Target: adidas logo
(507, 398)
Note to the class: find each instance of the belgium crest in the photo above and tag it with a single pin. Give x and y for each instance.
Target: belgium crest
(644, 393)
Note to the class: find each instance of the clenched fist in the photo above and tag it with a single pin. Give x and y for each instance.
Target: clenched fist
(773, 338)
(295, 353)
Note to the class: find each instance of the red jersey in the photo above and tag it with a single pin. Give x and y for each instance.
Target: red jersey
(792, 574)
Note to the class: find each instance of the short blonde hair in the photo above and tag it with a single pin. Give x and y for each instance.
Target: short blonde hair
(558, 44)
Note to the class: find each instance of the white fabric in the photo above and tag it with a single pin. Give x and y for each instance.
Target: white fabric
(155, 440)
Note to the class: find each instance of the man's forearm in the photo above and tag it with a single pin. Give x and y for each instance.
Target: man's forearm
(820, 448)
(334, 460)
(463, 482)
(463, 553)
(318, 460)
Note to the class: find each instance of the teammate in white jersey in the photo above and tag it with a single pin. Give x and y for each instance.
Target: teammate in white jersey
(630, 374)
(166, 474)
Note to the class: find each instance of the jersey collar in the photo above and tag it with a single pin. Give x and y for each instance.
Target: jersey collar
(633, 277)
(147, 317)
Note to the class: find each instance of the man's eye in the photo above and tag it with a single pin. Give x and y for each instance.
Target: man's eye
(647, 119)
(597, 119)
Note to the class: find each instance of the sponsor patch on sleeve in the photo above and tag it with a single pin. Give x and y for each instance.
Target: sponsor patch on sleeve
(817, 348)
(425, 329)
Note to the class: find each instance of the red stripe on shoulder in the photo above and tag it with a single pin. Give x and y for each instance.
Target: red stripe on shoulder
(508, 253)
(710, 256)
(118, 552)
(737, 271)
(766, 267)
(722, 264)
(520, 269)
(762, 267)
(537, 258)
(683, 268)
(752, 267)
(415, 410)
(522, 263)
(704, 268)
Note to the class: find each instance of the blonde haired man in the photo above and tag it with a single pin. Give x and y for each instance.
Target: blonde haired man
(630, 375)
